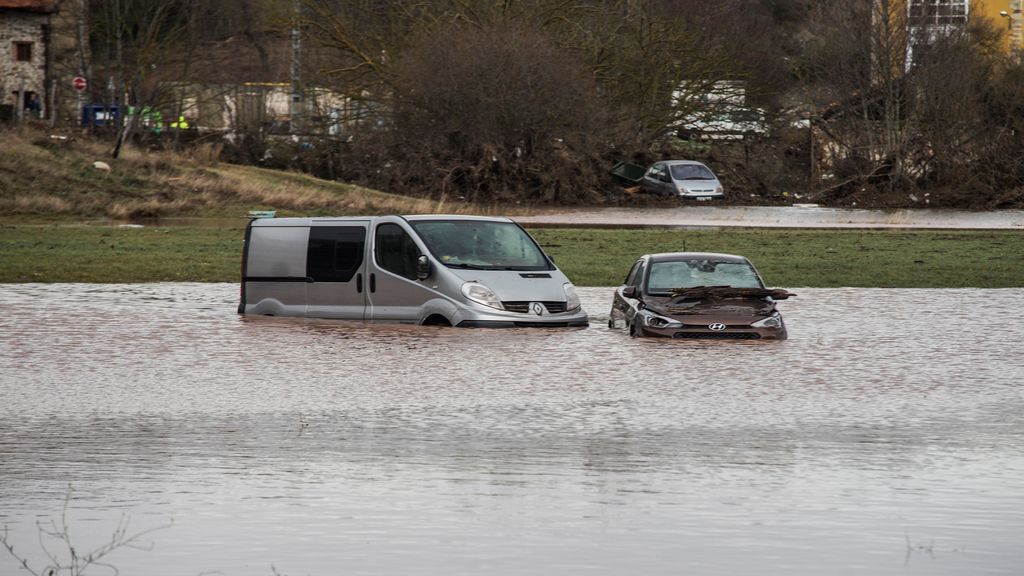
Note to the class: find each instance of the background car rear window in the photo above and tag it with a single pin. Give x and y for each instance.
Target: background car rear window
(335, 253)
(691, 172)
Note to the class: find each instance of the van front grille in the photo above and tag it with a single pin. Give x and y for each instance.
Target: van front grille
(524, 307)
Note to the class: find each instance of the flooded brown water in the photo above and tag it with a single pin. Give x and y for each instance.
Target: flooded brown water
(885, 437)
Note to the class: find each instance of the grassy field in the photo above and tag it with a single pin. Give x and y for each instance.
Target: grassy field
(786, 258)
(44, 180)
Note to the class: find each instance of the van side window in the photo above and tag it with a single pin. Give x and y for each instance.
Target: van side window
(395, 251)
(335, 253)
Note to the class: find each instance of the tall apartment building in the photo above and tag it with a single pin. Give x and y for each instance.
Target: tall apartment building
(929, 18)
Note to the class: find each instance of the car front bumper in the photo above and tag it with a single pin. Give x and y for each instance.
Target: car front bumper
(733, 330)
(701, 195)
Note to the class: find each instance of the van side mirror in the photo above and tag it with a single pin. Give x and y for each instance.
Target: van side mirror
(629, 291)
(422, 268)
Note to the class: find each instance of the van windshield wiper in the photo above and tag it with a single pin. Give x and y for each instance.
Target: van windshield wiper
(479, 267)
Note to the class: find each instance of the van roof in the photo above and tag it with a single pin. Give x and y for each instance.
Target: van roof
(298, 221)
(416, 217)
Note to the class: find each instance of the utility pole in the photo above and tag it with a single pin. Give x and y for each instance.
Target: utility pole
(82, 41)
(296, 100)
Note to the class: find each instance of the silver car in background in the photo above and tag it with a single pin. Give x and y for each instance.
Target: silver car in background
(683, 179)
(468, 271)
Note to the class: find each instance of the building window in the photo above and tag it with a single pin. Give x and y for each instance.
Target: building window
(23, 51)
(937, 12)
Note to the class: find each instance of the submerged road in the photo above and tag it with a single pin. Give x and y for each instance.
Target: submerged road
(808, 216)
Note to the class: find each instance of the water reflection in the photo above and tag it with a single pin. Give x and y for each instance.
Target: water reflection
(885, 426)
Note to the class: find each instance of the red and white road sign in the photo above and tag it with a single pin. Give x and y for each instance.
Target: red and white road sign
(78, 83)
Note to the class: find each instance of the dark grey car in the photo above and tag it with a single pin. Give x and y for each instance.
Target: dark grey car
(697, 295)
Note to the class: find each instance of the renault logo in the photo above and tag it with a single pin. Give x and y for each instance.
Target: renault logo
(537, 308)
(717, 326)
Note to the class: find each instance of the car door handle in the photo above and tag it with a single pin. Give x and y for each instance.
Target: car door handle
(373, 282)
(359, 283)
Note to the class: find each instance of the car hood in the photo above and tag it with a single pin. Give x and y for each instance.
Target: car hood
(718, 301)
(698, 183)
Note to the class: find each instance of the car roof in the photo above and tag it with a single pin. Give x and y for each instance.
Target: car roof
(680, 256)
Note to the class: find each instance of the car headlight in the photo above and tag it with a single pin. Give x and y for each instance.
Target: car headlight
(481, 294)
(773, 321)
(655, 321)
(572, 301)
(719, 190)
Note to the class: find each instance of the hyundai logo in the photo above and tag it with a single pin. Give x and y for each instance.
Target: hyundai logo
(537, 308)
(717, 327)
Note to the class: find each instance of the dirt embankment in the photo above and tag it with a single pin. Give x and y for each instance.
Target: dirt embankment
(69, 175)
(43, 174)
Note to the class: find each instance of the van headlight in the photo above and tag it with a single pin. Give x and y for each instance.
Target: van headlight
(572, 301)
(481, 294)
(773, 321)
(655, 321)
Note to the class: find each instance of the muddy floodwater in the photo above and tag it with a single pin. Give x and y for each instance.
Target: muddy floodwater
(886, 436)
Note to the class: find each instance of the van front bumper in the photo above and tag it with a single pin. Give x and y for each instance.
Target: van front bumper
(467, 318)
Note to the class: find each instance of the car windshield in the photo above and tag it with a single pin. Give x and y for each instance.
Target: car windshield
(665, 276)
(481, 245)
(691, 172)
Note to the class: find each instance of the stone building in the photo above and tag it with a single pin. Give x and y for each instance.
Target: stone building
(43, 47)
(24, 57)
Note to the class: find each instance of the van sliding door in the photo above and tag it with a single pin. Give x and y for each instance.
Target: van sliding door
(335, 263)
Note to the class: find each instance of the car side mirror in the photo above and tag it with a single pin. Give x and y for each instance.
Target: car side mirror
(422, 268)
(629, 291)
(665, 178)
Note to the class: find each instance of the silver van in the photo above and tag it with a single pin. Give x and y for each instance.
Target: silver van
(467, 271)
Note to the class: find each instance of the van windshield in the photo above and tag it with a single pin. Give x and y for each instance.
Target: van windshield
(481, 245)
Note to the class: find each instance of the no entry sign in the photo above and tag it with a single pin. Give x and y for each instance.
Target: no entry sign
(78, 83)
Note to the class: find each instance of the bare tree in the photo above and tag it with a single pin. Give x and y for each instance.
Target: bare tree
(493, 111)
(62, 556)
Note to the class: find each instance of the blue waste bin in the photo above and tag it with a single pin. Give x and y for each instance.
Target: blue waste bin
(95, 115)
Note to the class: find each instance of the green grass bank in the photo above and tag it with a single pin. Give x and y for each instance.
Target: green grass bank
(591, 257)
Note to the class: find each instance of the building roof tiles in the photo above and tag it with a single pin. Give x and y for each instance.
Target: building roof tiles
(44, 6)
